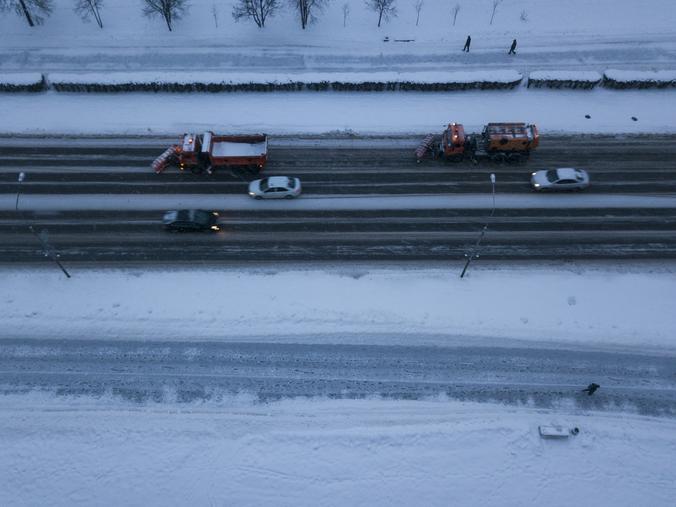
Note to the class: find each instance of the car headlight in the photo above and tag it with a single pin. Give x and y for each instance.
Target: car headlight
(533, 174)
(215, 228)
(536, 185)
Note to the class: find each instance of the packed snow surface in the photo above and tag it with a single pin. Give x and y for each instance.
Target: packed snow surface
(72, 451)
(565, 303)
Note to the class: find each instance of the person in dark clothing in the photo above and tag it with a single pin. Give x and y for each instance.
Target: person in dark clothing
(591, 389)
(467, 43)
(512, 50)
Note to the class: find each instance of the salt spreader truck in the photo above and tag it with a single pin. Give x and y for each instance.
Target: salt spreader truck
(208, 152)
(501, 142)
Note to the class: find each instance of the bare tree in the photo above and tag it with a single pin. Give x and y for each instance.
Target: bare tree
(258, 10)
(35, 11)
(170, 10)
(524, 16)
(418, 7)
(384, 8)
(306, 10)
(454, 11)
(87, 9)
(346, 13)
(495, 7)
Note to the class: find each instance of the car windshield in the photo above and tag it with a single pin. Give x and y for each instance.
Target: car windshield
(551, 175)
(291, 183)
(264, 184)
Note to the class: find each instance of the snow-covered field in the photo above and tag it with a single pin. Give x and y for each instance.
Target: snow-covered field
(315, 452)
(575, 304)
(575, 33)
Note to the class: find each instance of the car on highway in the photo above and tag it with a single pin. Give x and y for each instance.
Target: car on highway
(275, 187)
(563, 178)
(190, 220)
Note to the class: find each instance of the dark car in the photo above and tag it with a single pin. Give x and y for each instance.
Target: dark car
(190, 220)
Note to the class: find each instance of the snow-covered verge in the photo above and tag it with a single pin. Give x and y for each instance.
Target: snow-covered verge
(573, 304)
(22, 82)
(564, 79)
(310, 112)
(319, 452)
(639, 79)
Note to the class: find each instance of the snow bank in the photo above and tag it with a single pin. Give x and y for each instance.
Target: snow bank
(22, 82)
(576, 304)
(69, 451)
(639, 79)
(563, 79)
(339, 81)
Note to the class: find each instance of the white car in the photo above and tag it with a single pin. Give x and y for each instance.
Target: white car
(564, 178)
(275, 187)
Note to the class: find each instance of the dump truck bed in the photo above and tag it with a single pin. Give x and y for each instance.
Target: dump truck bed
(235, 149)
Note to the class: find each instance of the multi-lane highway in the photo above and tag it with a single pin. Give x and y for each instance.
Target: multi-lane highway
(83, 172)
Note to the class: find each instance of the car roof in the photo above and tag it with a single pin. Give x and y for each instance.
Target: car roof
(278, 181)
(565, 173)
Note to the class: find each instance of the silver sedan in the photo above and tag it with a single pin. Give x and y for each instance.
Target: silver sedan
(275, 187)
(565, 178)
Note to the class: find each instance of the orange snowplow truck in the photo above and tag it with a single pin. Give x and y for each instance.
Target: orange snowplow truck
(207, 152)
(502, 142)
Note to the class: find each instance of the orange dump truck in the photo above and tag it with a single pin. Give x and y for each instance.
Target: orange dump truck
(502, 142)
(208, 152)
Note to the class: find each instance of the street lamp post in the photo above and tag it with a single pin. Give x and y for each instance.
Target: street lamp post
(46, 247)
(22, 176)
(474, 254)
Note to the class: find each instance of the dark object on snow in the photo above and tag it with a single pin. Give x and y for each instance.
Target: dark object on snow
(512, 49)
(591, 389)
(575, 431)
(587, 116)
(467, 43)
(634, 118)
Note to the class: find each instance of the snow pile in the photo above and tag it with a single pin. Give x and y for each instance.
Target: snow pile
(563, 79)
(22, 82)
(339, 81)
(639, 79)
(75, 451)
(423, 305)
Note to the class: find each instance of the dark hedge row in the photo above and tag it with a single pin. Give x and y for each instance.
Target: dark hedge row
(33, 87)
(276, 87)
(449, 87)
(638, 84)
(373, 86)
(562, 83)
(175, 87)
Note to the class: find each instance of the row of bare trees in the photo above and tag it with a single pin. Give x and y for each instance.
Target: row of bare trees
(258, 11)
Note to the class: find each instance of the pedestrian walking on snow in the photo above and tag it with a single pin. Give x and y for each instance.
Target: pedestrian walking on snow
(512, 50)
(591, 389)
(467, 43)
